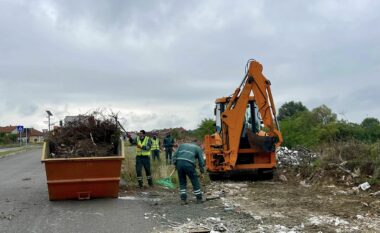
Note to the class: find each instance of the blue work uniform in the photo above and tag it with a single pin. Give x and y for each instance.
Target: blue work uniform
(168, 145)
(184, 160)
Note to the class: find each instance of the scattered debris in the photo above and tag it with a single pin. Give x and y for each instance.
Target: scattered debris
(375, 193)
(212, 197)
(235, 185)
(228, 208)
(360, 217)
(354, 174)
(213, 220)
(219, 228)
(364, 186)
(283, 178)
(200, 230)
(354, 190)
(254, 210)
(303, 183)
(6, 216)
(26, 179)
(327, 220)
(302, 156)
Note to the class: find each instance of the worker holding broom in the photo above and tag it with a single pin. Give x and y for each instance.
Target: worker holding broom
(143, 146)
(185, 161)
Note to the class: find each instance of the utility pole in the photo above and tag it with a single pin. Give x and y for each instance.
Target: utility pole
(20, 138)
(49, 115)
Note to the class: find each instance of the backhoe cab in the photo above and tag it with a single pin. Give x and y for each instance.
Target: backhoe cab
(247, 131)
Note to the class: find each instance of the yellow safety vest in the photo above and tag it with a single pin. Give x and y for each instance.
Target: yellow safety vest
(155, 144)
(140, 151)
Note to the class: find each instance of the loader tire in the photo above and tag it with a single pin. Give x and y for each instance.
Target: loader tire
(215, 176)
(266, 174)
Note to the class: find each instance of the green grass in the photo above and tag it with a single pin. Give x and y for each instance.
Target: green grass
(159, 169)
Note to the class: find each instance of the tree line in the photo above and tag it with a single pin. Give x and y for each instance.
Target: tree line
(310, 128)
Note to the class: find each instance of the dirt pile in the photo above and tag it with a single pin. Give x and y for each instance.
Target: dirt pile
(85, 136)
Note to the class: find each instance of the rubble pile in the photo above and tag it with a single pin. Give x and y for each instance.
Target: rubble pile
(86, 136)
(300, 157)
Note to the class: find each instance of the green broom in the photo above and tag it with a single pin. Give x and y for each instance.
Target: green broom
(167, 182)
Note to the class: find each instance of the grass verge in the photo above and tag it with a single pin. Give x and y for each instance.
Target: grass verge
(160, 169)
(17, 150)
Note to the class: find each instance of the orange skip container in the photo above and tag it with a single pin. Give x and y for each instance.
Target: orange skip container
(83, 178)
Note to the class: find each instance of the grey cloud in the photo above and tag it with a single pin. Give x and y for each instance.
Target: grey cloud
(27, 110)
(145, 54)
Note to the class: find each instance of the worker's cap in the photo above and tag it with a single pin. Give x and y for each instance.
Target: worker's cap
(142, 131)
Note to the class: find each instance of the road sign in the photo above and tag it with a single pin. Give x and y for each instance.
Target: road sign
(20, 128)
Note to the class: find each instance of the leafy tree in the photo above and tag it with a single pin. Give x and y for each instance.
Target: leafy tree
(289, 109)
(299, 130)
(371, 127)
(324, 115)
(207, 126)
(370, 122)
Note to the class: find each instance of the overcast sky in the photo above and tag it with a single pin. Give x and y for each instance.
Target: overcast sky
(163, 63)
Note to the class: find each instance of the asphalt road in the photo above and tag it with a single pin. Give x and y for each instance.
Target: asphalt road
(24, 204)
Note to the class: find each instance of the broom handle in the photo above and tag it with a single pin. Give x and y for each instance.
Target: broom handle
(172, 172)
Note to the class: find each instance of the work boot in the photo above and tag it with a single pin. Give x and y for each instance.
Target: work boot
(184, 202)
(150, 182)
(140, 184)
(199, 199)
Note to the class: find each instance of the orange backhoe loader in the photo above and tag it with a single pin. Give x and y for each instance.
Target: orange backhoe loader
(247, 131)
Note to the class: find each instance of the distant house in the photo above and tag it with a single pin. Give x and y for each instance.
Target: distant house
(33, 135)
(8, 130)
(30, 134)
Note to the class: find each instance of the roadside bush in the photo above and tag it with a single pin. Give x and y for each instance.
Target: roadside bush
(357, 157)
(7, 138)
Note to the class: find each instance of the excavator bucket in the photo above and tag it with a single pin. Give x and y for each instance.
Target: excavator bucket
(261, 142)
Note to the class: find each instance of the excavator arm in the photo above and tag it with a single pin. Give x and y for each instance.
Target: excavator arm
(234, 115)
(264, 100)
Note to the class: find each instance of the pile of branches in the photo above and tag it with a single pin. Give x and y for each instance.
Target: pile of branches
(86, 136)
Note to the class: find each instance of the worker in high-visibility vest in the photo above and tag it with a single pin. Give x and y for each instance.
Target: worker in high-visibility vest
(143, 146)
(155, 148)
